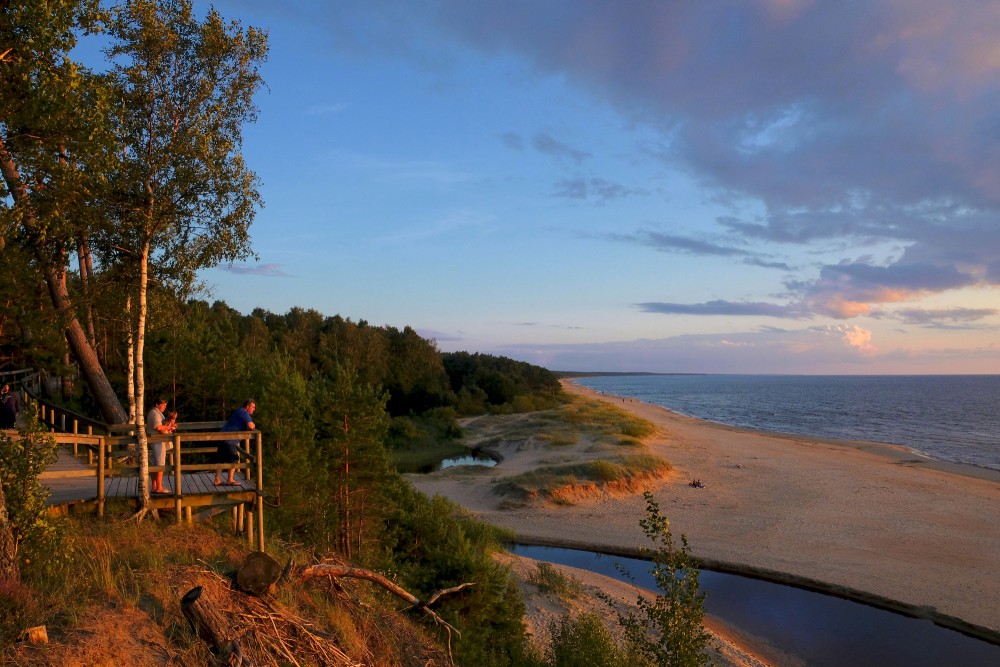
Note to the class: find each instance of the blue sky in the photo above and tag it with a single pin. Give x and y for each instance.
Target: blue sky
(769, 186)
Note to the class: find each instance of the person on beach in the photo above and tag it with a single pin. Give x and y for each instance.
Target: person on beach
(10, 407)
(155, 423)
(228, 452)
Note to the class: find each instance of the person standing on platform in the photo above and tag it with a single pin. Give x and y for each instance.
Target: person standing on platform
(228, 452)
(158, 450)
(10, 406)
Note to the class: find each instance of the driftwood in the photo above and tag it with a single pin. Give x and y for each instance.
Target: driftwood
(329, 570)
(211, 625)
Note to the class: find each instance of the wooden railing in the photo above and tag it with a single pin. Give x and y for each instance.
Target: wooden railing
(111, 447)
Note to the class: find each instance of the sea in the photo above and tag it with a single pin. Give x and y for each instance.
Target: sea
(953, 418)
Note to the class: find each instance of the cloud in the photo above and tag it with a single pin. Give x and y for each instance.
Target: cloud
(849, 289)
(546, 143)
(834, 349)
(936, 317)
(675, 243)
(593, 188)
(720, 307)
(844, 124)
(266, 270)
(512, 140)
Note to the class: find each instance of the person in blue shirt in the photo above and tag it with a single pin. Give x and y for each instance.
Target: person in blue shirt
(228, 452)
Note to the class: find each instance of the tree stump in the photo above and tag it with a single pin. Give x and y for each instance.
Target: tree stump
(258, 574)
(209, 623)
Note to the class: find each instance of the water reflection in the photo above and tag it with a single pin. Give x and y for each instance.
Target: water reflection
(472, 460)
(789, 625)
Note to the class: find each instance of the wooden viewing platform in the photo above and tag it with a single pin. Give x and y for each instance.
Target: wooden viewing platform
(93, 469)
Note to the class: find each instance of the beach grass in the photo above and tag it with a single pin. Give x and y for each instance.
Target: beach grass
(548, 481)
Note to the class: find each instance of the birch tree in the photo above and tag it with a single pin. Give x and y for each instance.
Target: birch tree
(183, 197)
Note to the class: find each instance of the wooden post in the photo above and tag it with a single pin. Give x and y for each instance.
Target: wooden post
(75, 443)
(100, 476)
(260, 491)
(178, 491)
(241, 518)
(236, 519)
(187, 515)
(250, 528)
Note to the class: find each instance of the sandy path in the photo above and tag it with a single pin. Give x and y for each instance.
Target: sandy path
(860, 517)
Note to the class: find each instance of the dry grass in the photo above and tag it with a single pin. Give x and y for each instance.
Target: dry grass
(120, 604)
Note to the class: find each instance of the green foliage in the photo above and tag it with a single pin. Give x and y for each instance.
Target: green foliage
(39, 538)
(584, 641)
(668, 630)
(485, 383)
(430, 544)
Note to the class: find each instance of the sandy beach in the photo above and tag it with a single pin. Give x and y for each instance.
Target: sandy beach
(870, 521)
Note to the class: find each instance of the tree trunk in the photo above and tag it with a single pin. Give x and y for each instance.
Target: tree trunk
(130, 361)
(210, 624)
(54, 270)
(86, 271)
(140, 380)
(90, 367)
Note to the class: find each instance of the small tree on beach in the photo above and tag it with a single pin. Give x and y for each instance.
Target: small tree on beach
(667, 630)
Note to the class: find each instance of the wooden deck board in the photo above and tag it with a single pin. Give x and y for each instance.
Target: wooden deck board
(72, 489)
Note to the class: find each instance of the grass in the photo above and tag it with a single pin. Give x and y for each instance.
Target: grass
(549, 580)
(547, 479)
(123, 591)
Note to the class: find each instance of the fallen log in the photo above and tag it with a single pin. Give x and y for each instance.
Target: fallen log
(211, 625)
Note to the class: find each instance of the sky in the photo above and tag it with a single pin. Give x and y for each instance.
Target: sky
(742, 186)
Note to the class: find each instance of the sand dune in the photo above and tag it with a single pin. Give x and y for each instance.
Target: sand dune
(868, 520)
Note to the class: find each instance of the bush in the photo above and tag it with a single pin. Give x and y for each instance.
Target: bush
(39, 538)
(586, 642)
(668, 630)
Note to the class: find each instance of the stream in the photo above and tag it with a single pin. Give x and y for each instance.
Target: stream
(785, 625)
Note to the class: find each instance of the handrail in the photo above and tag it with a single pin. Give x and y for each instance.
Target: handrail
(121, 436)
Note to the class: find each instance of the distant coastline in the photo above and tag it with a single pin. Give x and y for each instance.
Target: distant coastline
(567, 375)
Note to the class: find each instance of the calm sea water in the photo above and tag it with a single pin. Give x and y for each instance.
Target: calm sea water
(954, 418)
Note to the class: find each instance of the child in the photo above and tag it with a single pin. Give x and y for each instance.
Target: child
(171, 421)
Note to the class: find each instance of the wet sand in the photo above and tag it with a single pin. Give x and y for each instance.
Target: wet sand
(869, 521)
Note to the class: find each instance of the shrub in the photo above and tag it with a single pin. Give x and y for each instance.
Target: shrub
(586, 642)
(39, 539)
(668, 630)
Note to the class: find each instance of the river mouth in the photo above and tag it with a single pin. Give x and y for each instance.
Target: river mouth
(786, 625)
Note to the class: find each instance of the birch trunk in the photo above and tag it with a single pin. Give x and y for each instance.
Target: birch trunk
(140, 380)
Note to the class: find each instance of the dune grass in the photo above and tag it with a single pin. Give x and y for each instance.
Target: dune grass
(548, 479)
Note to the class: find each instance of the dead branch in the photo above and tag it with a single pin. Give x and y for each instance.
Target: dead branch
(328, 570)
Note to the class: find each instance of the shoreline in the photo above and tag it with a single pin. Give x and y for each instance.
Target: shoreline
(866, 521)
